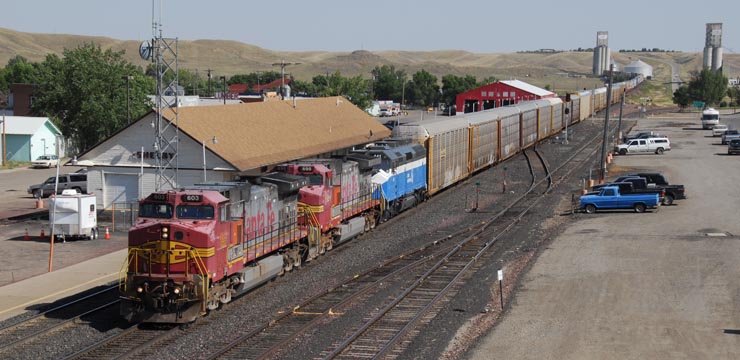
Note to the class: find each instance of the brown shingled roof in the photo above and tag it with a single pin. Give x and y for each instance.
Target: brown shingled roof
(266, 133)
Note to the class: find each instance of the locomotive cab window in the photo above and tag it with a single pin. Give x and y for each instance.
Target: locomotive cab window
(315, 179)
(195, 212)
(155, 210)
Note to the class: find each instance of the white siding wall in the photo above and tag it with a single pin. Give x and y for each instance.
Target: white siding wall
(123, 148)
(144, 184)
(119, 155)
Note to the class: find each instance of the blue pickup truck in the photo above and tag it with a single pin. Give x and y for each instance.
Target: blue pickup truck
(610, 198)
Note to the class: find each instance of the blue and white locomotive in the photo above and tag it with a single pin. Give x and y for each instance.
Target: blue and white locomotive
(401, 176)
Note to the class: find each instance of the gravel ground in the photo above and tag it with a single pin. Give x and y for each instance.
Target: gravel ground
(472, 311)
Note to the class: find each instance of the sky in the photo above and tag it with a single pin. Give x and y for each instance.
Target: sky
(477, 26)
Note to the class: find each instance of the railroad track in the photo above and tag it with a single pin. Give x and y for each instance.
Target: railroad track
(442, 262)
(270, 338)
(383, 332)
(16, 335)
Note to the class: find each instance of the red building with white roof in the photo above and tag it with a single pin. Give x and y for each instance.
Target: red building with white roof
(500, 93)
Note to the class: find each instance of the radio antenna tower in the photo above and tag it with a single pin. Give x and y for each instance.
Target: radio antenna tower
(163, 54)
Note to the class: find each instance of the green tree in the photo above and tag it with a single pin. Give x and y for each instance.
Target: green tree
(18, 71)
(389, 83)
(422, 90)
(734, 93)
(453, 85)
(708, 86)
(488, 80)
(682, 97)
(84, 93)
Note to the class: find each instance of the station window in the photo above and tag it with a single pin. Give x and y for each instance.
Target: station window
(506, 94)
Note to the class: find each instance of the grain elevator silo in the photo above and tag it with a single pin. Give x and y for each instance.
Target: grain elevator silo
(713, 46)
(602, 55)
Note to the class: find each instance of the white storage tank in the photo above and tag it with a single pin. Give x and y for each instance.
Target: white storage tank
(639, 67)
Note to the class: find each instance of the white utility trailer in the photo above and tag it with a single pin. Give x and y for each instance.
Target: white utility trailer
(74, 215)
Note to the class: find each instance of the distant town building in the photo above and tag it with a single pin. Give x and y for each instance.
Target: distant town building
(21, 98)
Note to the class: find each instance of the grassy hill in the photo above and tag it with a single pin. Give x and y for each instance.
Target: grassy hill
(561, 71)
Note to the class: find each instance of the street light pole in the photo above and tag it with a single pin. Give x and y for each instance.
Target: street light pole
(224, 92)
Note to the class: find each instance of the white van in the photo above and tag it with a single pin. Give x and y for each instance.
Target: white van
(657, 145)
(709, 118)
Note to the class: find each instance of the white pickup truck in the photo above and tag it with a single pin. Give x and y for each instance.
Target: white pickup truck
(649, 145)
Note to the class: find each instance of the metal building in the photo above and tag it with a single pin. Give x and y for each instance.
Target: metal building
(602, 54)
(500, 93)
(713, 46)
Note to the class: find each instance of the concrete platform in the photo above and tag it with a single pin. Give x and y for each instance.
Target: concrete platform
(21, 296)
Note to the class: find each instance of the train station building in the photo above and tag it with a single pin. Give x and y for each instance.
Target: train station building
(220, 143)
(498, 94)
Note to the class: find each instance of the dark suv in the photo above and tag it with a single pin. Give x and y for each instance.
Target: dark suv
(75, 181)
(733, 147)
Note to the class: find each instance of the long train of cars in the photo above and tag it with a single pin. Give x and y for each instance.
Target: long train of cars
(193, 249)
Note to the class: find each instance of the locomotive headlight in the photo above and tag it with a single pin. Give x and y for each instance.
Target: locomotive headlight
(176, 291)
(164, 235)
(165, 232)
(139, 289)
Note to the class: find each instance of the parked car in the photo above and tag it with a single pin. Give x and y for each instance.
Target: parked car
(610, 198)
(729, 135)
(642, 135)
(658, 181)
(75, 181)
(718, 130)
(46, 161)
(733, 147)
(656, 145)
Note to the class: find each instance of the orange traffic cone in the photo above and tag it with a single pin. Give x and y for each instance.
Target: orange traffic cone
(26, 237)
(43, 236)
(107, 234)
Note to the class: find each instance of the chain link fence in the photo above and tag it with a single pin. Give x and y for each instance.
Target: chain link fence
(120, 216)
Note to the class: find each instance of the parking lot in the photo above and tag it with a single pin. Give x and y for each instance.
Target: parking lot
(621, 285)
(31, 257)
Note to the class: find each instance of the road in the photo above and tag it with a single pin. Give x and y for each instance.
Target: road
(620, 285)
(14, 185)
(675, 78)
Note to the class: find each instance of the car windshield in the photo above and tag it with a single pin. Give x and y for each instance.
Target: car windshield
(44, 157)
(50, 180)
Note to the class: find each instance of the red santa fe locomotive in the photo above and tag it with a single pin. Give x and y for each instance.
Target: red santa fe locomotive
(196, 248)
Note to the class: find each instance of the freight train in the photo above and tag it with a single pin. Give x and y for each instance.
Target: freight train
(193, 249)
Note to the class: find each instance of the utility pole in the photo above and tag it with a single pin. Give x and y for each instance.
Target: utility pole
(282, 65)
(619, 126)
(602, 166)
